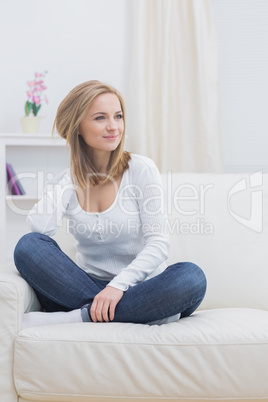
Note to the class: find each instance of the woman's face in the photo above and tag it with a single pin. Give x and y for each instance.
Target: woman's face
(103, 125)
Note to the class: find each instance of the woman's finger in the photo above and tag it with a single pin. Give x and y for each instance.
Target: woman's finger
(93, 310)
(105, 310)
(99, 311)
(112, 309)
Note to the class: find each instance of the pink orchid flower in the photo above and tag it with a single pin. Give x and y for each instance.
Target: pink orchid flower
(35, 94)
(37, 100)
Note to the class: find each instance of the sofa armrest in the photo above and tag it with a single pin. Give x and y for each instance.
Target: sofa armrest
(16, 297)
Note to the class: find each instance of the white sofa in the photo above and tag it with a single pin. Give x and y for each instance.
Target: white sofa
(220, 222)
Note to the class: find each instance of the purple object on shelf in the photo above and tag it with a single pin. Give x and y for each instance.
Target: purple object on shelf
(21, 189)
(12, 180)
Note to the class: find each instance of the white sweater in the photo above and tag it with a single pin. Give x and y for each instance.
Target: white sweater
(125, 244)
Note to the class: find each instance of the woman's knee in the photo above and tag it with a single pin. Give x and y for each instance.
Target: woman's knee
(199, 279)
(194, 276)
(27, 247)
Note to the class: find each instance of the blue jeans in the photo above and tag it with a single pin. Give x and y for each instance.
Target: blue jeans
(61, 285)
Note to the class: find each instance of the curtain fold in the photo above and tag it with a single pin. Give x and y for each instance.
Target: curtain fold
(173, 97)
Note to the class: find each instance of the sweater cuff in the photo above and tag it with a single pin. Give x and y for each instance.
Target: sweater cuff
(116, 284)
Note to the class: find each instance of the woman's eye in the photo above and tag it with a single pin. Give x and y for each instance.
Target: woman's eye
(119, 116)
(99, 118)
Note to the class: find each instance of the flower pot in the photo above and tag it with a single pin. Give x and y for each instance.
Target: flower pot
(30, 125)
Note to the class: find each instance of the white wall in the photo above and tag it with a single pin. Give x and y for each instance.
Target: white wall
(79, 40)
(242, 31)
(75, 40)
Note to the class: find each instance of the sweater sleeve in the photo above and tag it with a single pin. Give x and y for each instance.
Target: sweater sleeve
(153, 219)
(46, 215)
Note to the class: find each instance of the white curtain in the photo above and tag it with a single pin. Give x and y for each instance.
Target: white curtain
(173, 98)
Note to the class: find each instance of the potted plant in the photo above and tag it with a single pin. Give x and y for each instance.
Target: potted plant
(30, 122)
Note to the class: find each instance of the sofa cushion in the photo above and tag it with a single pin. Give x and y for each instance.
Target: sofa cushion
(220, 222)
(208, 355)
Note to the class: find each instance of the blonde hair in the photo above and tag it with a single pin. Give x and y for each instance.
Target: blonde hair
(70, 113)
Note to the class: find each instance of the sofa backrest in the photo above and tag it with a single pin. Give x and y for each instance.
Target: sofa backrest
(219, 222)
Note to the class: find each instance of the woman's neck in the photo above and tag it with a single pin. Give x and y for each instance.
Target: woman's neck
(101, 161)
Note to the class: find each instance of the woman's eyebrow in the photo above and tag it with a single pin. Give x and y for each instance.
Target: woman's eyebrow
(120, 111)
(98, 113)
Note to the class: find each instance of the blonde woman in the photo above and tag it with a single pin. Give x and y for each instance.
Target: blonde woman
(112, 201)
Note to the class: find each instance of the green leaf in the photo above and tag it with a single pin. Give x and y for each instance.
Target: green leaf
(36, 109)
(28, 108)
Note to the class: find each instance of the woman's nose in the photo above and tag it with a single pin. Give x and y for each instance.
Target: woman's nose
(111, 125)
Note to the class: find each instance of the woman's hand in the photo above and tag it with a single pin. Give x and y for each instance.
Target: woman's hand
(104, 303)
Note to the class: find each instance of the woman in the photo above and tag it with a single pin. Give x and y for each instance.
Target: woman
(112, 201)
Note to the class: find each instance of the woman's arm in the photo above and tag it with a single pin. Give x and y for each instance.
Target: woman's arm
(153, 221)
(47, 214)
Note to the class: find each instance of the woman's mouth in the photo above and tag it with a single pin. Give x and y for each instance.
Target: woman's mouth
(111, 137)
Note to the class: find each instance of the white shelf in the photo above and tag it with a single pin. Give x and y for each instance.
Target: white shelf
(36, 159)
(32, 139)
(23, 135)
(21, 198)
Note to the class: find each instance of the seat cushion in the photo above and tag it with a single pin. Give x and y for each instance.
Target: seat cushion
(221, 353)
